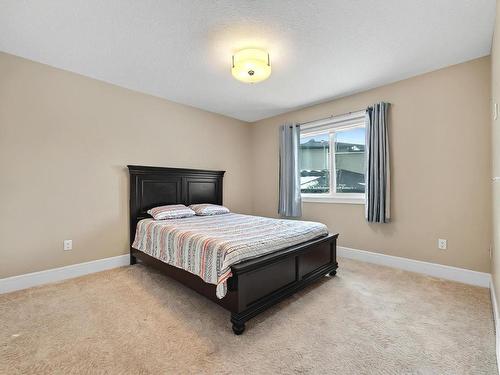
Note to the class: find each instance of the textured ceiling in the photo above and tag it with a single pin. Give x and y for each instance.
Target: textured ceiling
(181, 50)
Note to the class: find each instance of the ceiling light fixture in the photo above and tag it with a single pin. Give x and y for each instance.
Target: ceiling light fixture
(251, 65)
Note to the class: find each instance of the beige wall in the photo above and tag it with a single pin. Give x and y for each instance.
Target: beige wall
(65, 141)
(495, 126)
(440, 149)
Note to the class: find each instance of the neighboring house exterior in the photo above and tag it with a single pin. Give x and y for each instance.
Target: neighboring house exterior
(314, 162)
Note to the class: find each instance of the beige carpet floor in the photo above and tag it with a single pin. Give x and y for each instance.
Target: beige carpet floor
(133, 320)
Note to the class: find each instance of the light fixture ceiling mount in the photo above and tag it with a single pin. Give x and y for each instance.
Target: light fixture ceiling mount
(251, 65)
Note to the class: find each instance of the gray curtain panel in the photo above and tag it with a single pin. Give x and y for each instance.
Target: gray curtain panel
(290, 201)
(378, 200)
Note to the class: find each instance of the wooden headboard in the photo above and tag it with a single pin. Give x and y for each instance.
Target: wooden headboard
(157, 186)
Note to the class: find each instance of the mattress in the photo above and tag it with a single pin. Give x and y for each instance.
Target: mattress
(208, 246)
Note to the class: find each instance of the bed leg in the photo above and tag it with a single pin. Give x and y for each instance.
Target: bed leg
(133, 260)
(239, 328)
(332, 273)
(238, 325)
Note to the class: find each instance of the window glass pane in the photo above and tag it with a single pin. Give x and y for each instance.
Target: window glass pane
(315, 164)
(350, 160)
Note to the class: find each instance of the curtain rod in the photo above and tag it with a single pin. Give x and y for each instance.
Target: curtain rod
(330, 117)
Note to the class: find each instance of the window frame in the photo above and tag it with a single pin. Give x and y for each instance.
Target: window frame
(331, 127)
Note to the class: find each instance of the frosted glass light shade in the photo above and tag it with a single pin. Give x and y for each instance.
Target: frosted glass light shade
(251, 65)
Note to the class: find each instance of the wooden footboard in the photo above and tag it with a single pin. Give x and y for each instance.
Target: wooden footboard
(259, 283)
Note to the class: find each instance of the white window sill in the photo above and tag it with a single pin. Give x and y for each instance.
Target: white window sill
(346, 200)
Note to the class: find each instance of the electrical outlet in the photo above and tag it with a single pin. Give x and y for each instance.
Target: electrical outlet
(442, 244)
(67, 245)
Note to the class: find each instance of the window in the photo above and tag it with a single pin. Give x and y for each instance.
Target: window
(332, 160)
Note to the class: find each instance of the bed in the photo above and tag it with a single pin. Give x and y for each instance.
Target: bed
(288, 263)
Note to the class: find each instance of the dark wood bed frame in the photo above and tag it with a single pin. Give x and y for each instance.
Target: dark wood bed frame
(256, 284)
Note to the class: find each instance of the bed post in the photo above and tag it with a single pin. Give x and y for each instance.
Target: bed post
(133, 210)
(238, 324)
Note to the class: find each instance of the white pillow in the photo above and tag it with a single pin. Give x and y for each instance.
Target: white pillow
(171, 211)
(207, 209)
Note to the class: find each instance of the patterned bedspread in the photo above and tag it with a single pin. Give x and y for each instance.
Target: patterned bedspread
(208, 246)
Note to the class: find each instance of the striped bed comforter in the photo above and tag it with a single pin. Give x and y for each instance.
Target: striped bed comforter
(208, 246)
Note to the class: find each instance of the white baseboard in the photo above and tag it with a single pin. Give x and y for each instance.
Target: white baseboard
(496, 320)
(460, 275)
(28, 280)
